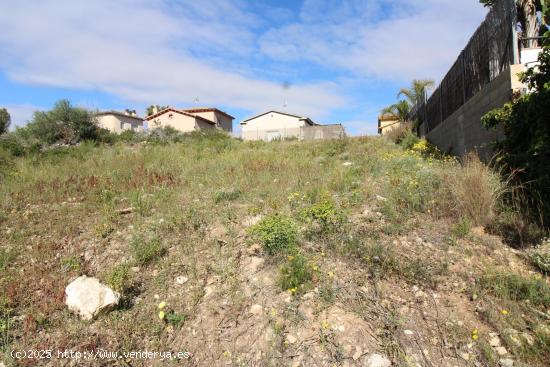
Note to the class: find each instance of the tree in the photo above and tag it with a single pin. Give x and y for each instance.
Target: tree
(399, 110)
(417, 91)
(64, 123)
(150, 110)
(5, 120)
(527, 16)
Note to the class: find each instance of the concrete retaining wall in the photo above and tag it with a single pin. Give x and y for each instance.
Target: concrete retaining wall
(462, 132)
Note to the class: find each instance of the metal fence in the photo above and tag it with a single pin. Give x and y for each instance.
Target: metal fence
(490, 51)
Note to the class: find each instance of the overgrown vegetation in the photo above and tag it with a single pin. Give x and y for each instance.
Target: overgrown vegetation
(277, 233)
(354, 229)
(525, 151)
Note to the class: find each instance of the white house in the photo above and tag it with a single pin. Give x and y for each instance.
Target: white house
(117, 122)
(187, 120)
(273, 125)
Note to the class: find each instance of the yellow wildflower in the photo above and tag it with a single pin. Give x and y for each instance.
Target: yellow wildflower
(325, 325)
(504, 312)
(161, 315)
(162, 305)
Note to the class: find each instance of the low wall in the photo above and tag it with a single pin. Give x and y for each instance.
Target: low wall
(301, 133)
(463, 132)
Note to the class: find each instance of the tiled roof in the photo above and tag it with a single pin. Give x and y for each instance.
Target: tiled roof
(206, 109)
(117, 113)
(181, 112)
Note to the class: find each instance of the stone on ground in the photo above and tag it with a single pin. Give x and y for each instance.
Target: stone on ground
(377, 360)
(87, 297)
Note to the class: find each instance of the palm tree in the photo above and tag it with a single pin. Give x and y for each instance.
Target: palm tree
(417, 91)
(399, 110)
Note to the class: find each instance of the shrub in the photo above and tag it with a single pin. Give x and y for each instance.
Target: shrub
(516, 288)
(325, 214)
(398, 133)
(147, 248)
(118, 278)
(409, 140)
(277, 233)
(461, 229)
(12, 145)
(64, 123)
(475, 191)
(525, 149)
(226, 195)
(540, 257)
(296, 274)
(164, 135)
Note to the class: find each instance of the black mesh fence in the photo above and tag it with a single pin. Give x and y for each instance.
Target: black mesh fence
(489, 52)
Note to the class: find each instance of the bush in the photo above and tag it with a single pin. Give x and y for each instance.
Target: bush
(277, 233)
(525, 150)
(475, 191)
(118, 278)
(409, 140)
(398, 133)
(226, 195)
(295, 274)
(63, 124)
(540, 257)
(325, 214)
(147, 248)
(516, 288)
(164, 135)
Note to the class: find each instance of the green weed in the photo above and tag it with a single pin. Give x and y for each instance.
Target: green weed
(147, 248)
(277, 233)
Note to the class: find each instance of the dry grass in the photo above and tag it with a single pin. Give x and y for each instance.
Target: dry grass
(398, 133)
(184, 241)
(475, 191)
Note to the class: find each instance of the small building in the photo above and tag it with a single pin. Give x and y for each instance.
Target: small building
(118, 122)
(187, 120)
(273, 125)
(387, 123)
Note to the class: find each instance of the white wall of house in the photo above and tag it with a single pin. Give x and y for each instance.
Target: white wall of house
(272, 126)
(178, 121)
(118, 123)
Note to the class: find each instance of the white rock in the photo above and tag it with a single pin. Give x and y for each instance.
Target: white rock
(347, 164)
(408, 332)
(256, 310)
(250, 221)
(291, 339)
(501, 351)
(507, 362)
(380, 198)
(377, 360)
(495, 341)
(88, 297)
(181, 279)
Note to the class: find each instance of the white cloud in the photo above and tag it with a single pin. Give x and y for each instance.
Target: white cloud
(145, 52)
(20, 113)
(390, 39)
(171, 52)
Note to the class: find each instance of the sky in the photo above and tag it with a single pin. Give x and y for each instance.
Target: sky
(333, 61)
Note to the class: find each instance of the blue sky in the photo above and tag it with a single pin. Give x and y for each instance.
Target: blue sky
(334, 61)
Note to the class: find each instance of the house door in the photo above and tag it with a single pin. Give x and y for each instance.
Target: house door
(273, 135)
